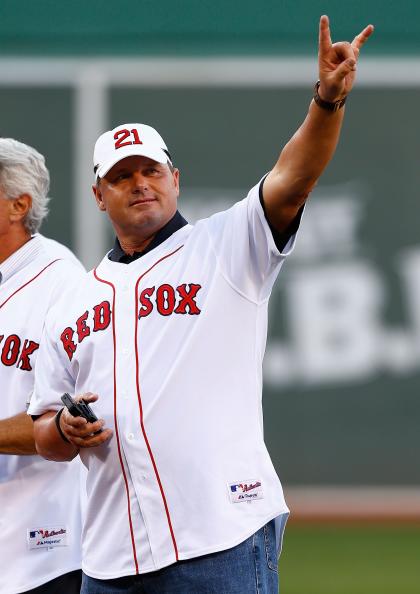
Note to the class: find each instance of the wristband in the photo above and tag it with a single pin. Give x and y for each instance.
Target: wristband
(57, 423)
(328, 105)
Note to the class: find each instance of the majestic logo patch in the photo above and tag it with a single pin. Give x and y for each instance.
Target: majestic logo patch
(47, 537)
(248, 490)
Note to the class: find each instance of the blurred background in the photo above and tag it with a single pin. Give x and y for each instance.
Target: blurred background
(227, 84)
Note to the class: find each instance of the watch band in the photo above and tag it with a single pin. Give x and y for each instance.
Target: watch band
(328, 105)
(57, 423)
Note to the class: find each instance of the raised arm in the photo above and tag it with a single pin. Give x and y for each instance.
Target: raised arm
(308, 152)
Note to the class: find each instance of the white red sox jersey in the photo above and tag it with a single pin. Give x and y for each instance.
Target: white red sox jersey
(173, 344)
(39, 500)
(54, 248)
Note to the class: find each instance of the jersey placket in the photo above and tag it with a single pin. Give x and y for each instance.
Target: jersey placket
(152, 536)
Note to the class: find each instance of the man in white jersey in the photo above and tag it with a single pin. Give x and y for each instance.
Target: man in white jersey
(40, 527)
(57, 249)
(166, 338)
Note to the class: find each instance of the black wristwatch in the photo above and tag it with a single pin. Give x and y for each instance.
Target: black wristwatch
(328, 105)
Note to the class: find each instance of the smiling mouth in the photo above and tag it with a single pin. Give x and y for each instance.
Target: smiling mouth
(143, 201)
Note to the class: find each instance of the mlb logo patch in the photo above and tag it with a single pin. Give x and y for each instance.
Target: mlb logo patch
(47, 537)
(249, 490)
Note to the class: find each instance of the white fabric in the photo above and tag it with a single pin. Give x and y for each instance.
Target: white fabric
(54, 248)
(20, 259)
(34, 493)
(127, 140)
(182, 390)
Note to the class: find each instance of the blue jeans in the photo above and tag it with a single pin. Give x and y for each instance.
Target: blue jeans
(248, 568)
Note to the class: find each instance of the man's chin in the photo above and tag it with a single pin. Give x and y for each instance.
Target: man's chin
(148, 220)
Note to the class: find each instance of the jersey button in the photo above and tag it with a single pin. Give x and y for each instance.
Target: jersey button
(130, 436)
(124, 351)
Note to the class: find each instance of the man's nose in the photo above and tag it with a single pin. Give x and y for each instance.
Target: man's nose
(139, 181)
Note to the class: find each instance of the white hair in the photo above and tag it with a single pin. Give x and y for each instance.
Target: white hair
(23, 171)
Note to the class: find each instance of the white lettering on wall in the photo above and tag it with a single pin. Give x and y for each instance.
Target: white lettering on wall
(334, 296)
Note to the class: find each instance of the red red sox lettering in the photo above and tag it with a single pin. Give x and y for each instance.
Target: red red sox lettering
(101, 321)
(165, 299)
(15, 351)
(169, 301)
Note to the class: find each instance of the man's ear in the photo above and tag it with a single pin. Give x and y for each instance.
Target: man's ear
(98, 197)
(19, 208)
(175, 175)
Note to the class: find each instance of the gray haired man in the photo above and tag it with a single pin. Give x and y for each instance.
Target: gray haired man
(39, 500)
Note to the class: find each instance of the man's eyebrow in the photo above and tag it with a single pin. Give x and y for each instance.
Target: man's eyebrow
(127, 169)
(121, 169)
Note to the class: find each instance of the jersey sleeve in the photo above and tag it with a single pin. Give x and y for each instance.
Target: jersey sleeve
(52, 375)
(64, 274)
(245, 247)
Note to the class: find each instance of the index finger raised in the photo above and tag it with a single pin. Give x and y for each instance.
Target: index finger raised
(363, 36)
(324, 34)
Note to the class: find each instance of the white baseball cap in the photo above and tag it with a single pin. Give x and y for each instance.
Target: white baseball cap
(127, 140)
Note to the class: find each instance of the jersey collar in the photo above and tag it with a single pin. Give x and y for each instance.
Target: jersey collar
(117, 254)
(21, 258)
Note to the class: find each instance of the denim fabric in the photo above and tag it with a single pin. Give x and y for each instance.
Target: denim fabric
(249, 568)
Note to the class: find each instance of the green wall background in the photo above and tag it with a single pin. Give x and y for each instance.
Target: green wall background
(199, 27)
(360, 430)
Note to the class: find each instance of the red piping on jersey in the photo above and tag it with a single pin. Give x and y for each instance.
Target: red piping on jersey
(140, 404)
(133, 544)
(29, 281)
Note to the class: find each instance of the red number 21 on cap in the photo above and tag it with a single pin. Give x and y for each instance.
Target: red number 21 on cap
(121, 138)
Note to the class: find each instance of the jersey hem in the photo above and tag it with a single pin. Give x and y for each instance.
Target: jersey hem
(43, 580)
(192, 554)
(33, 410)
